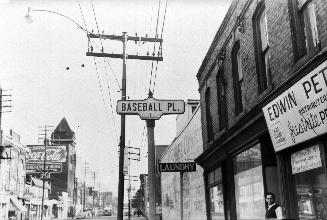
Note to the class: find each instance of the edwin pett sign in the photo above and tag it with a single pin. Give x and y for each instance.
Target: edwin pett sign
(300, 113)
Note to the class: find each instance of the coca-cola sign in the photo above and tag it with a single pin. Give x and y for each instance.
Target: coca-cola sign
(55, 154)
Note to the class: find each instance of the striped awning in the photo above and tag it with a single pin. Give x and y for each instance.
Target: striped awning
(16, 205)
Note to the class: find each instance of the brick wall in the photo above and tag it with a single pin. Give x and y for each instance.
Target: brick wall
(185, 148)
(282, 61)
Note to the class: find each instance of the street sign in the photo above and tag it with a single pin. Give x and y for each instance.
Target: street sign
(177, 167)
(150, 108)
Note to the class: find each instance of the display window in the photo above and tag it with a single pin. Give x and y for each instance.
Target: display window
(249, 188)
(309, 174)
(216, 197)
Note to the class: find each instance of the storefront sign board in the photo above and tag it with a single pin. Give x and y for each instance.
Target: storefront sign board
(55, 154)
(150, 108)
(177, 167)
(37, 167)
(306, 159)
(299, 113)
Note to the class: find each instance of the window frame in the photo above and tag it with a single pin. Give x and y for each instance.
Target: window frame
(236, 81)
(213, 184)
(263, 69)
(221, 99)
(296, 8)
(208, 103)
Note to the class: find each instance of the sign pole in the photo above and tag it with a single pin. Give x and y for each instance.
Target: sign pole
(181, 183)
(150, 124)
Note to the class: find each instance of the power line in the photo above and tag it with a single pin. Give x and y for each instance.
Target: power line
(154, 46)
(160, 47)
(105, 60)
(103, 100)
(110, 99)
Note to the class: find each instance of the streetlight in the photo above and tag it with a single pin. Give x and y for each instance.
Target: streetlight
(28, 17)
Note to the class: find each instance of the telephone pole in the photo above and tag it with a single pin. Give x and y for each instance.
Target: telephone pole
(4, 104)
(93, 189)
(84, 186)
(44, 173)
(124, 38)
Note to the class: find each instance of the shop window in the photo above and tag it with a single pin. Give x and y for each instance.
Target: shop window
(222, 109)
(309, 174)
(208, 115)
(237, 77)
(260, 31)
(216, 198)
(249, 188)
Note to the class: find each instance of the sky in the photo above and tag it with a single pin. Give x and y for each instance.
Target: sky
(42, 63)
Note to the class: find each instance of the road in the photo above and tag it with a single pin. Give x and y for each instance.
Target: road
(115, 218)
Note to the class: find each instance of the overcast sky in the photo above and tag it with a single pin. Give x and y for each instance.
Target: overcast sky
(35, 56)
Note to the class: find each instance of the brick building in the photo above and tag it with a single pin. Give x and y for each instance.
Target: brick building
(262, 87)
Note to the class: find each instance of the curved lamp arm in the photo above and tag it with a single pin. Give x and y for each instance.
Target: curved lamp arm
(28, 17)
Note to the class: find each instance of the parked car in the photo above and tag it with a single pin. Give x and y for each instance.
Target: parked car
(125, 211)
(80, 215)
(107, 212)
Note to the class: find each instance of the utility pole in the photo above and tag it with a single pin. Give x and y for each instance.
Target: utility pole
(93, 189)
(124, 38)
(84, 186)
(44, 172)
(129, 155)
(3, 105)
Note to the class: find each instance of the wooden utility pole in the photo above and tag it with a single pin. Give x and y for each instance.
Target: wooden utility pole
(44, 173)
(124, 38)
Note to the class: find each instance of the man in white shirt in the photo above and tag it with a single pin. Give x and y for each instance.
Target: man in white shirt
(274, 211)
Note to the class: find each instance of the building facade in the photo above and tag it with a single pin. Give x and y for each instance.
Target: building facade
(262, 87)
(183, 192)
(63, 184)
(12, 178)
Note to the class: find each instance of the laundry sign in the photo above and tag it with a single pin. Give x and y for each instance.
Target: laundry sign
(299, 113)
(177, 167)
(306, 159)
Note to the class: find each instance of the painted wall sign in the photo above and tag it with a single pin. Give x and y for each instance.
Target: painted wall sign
(150, 108)
(300, 113)
(306, 159)
(37, 167)
(55, 154)
(177, 167)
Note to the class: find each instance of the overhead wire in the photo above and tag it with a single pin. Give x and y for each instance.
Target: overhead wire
(160, 47)
(105, 60)
(107, 80)
(154, 45)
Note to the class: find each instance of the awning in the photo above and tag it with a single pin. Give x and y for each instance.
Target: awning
(17, 205)
(39, 183)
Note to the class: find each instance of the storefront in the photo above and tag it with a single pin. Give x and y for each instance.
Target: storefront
(239, 172)
(297, 123)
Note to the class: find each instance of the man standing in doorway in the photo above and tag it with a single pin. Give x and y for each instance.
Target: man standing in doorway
(274, 211)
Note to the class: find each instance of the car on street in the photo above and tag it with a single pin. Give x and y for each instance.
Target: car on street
(107, 212)
(80, 215)
(125, 211)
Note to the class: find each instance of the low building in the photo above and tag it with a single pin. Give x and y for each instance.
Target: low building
(12, 178)
(183, 192)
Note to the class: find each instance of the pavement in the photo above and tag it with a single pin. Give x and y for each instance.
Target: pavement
(111, 218)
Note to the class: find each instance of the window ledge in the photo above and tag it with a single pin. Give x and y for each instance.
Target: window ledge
(303, 60)
(264, 93)
(218, 134)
